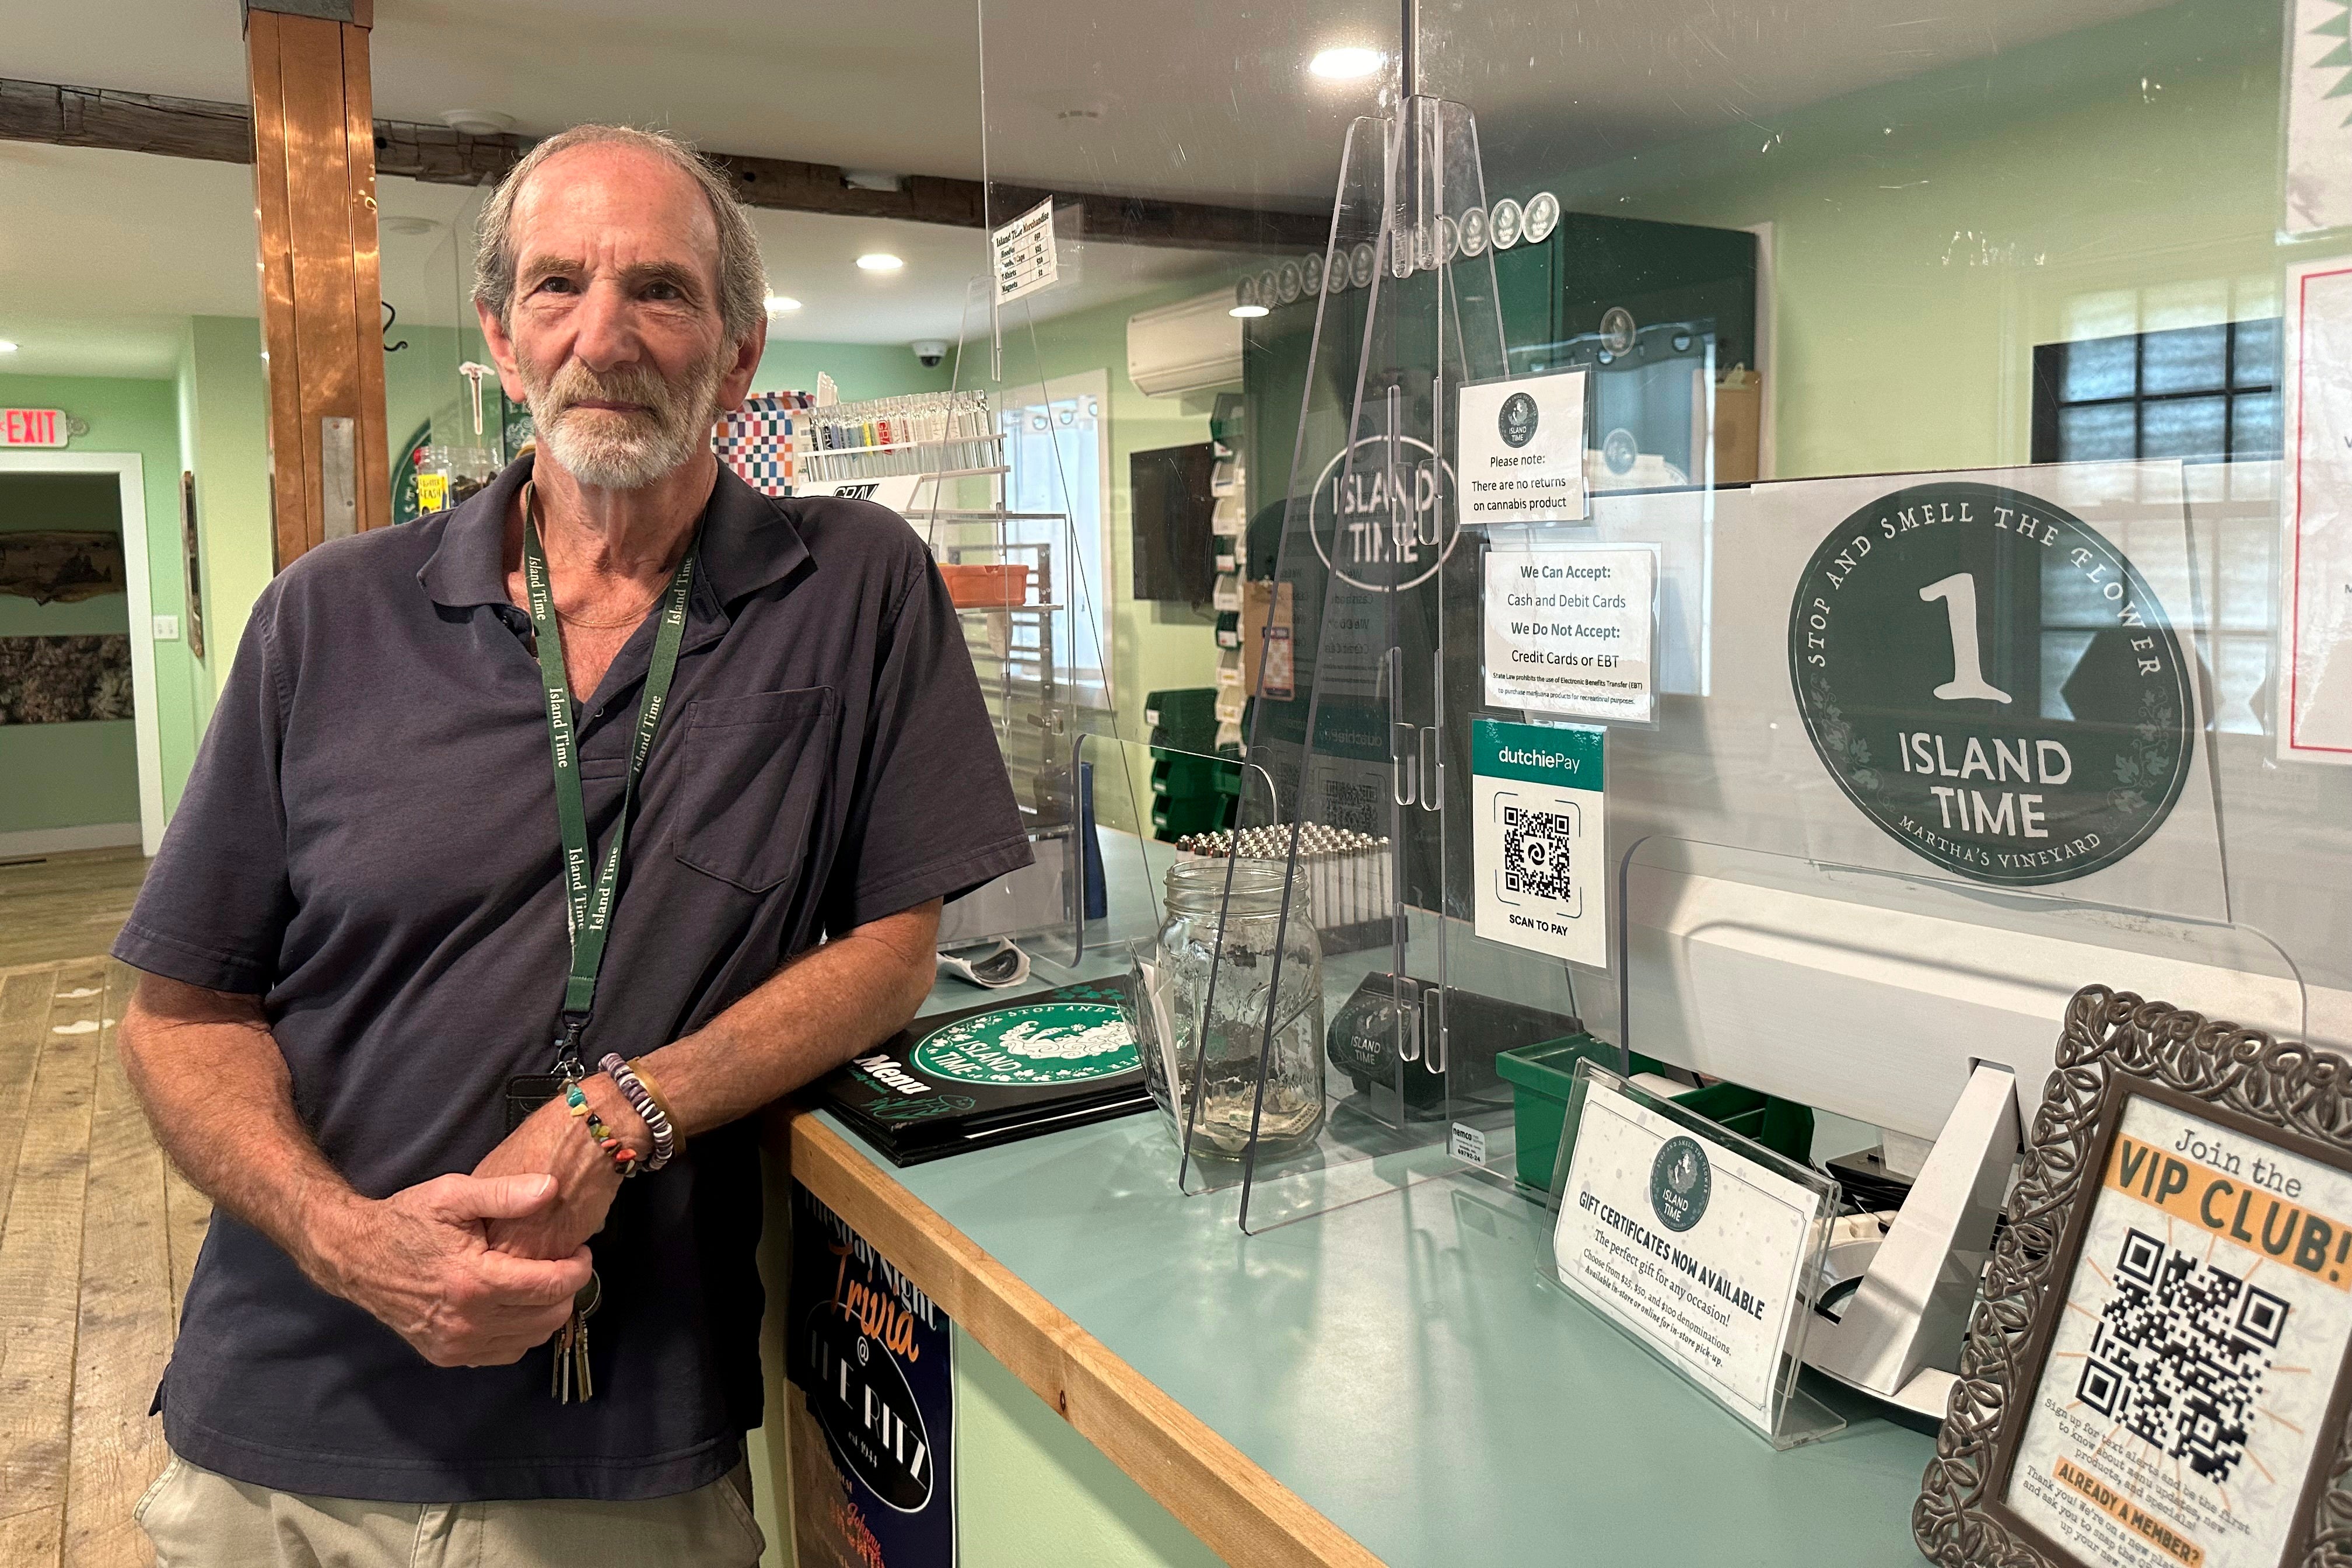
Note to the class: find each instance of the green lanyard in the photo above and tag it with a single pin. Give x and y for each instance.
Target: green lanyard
(589, 909)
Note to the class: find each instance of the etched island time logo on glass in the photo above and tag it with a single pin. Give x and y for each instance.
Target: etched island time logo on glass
(1993, 682)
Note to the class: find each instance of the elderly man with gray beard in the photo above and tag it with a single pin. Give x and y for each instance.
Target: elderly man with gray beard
(532, 847)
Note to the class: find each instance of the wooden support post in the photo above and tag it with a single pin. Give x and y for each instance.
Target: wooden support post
(321, 316)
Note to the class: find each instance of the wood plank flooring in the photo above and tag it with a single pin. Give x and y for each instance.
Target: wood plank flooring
(55, 906)
(97, 1233)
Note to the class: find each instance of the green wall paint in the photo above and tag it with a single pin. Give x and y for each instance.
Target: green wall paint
(860, 370)
(224, 425)
(1154, 647)
(1928, 234)
(1030, 1490)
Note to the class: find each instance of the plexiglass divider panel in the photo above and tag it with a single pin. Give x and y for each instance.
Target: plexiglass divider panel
(1964, 462)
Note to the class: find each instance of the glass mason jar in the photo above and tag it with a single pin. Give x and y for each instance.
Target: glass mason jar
(1240, 947)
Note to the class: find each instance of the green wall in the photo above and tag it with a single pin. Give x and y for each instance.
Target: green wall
(1928, 234)
(1030, 1490)
(1153, 646)
(225, 442)
(65, 775)
(860, 370)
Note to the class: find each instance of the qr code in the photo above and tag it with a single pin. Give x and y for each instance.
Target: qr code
(2180, 1354)
(1534, 854)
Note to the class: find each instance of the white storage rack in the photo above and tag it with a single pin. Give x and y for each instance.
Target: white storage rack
(947, 454)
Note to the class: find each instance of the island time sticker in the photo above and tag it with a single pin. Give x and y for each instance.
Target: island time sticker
(1036, 1046)
(1993, 682)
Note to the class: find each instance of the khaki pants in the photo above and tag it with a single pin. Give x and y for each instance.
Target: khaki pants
(199, 1520)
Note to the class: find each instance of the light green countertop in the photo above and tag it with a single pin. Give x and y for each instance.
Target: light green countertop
(1395, 1363)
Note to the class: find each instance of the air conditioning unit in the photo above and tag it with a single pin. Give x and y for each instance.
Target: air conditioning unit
(1185, 347)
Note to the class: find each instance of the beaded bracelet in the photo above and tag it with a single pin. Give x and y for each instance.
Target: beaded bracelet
(653, 1087)
(624, 1159)
(649, 1110)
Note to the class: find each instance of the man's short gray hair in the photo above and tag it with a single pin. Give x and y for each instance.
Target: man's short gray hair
(742, 278)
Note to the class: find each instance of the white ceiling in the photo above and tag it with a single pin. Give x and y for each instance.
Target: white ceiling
(99, 251)
(103, 255)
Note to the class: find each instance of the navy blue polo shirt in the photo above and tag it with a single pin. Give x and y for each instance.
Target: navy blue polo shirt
(368, 843)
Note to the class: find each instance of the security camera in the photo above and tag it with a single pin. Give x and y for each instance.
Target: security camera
(930, 351)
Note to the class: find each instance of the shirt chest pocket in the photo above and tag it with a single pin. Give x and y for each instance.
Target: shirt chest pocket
(755, 774)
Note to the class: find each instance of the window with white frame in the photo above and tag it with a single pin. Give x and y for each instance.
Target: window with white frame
(1057, 446)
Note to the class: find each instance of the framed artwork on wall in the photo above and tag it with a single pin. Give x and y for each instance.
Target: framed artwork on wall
(192, 558)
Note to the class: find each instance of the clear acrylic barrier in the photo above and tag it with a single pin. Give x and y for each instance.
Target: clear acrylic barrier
(1794, 255)
(1873, 996)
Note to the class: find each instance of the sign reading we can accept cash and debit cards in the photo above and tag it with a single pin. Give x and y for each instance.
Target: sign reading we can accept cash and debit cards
(1691, 1247)
(1572, 631)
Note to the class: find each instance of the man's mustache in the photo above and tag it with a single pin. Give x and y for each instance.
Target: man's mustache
(575, 384)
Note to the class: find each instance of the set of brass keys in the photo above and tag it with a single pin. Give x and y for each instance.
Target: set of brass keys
(570, 1377)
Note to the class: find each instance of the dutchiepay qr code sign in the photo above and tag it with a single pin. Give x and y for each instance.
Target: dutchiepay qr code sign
(1537, 841)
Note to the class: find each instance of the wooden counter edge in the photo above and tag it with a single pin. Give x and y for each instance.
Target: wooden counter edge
(1241, 1512)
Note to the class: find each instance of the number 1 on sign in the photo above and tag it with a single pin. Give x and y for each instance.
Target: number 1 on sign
(1958, 593)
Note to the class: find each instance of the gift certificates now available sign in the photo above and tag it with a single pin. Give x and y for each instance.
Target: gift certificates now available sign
(1993, 682)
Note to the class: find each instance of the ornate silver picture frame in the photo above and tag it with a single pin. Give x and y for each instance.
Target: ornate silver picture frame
(2155, 1373)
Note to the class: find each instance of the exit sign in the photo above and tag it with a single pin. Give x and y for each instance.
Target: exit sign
(32, 427)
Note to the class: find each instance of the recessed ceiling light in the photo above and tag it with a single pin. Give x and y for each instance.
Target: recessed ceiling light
(1345, 62)
(408, 223)
(6, 347)
(478, 122)
(880, 261)
(779, 303)
(1247, 312)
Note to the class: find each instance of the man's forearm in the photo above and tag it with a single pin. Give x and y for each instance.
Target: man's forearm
(810, 1015)
(215, 1087)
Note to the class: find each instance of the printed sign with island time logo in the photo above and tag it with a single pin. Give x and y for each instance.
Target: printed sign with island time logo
(871, 1431)
(1523, 449)
(1569, 630)
(1050, 1043)
(1992, 681)
(2193, 1362)
(1537, 838)
(1691, 1247)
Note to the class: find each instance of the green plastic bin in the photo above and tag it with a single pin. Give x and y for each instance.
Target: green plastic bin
(1540, 1077)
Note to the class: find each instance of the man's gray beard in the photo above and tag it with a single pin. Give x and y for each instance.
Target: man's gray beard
(584, 443)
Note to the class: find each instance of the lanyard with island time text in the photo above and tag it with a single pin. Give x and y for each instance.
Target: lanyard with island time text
(588, 906)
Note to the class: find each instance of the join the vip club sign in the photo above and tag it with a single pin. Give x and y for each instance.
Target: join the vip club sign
(1993, 682)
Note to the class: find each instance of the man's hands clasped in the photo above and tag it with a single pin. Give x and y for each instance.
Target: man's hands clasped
(478, 1270)
(421, 1262)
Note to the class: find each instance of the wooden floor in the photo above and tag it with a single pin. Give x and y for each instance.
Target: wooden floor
(55, 906)
(97, 1234)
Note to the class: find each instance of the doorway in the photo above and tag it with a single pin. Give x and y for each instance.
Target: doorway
(60, 743)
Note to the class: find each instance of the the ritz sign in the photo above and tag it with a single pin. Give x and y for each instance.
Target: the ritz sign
(33, 427)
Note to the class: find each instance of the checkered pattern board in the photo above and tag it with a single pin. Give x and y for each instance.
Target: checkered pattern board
(756, 441)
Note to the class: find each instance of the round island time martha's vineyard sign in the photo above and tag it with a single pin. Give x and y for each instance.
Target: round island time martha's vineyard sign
(1020, 1048)
(1993, 682)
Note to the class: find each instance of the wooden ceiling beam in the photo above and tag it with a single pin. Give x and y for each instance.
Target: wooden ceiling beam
(223, 132)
